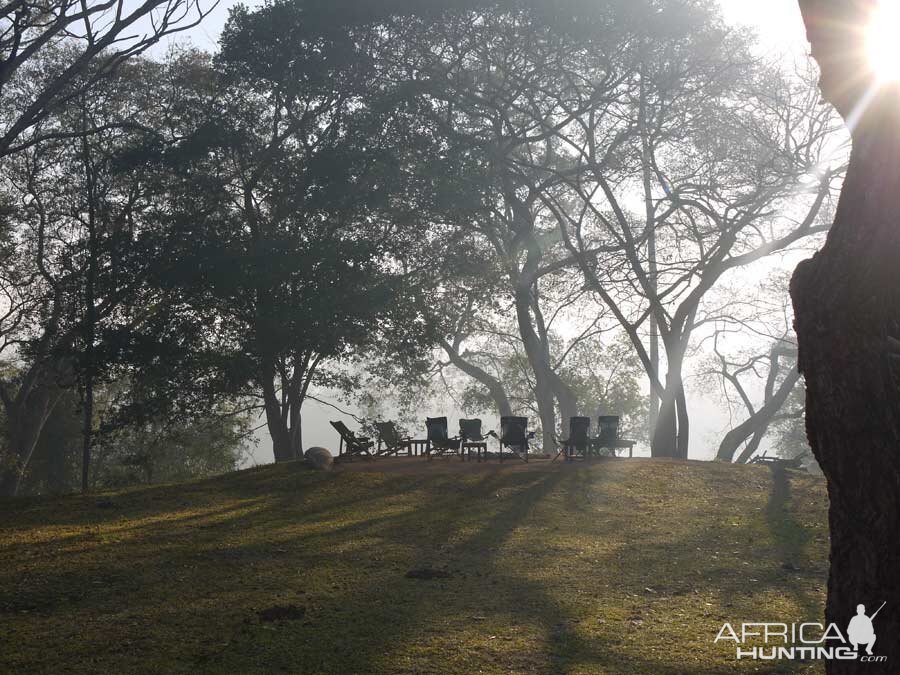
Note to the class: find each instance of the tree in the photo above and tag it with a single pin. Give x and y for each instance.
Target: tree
(53, 52)
(294, 177)
(160, 452)
(754, 364)
(150, 452)
(644, 144)
(778, 369)
(846, 306)
(715, 148)
(486, 75)
(85, 256)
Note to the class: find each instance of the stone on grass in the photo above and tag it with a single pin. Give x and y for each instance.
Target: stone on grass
(319, 458)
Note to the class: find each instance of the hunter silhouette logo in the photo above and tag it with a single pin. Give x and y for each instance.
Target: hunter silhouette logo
(861, 631)
(807, 641)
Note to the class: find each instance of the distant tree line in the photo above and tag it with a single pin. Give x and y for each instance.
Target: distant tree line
(541, 205)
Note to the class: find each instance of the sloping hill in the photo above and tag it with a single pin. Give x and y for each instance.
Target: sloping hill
(621, 566)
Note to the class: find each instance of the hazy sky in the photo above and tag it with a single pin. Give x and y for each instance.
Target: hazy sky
(778, 22)
(781, 32)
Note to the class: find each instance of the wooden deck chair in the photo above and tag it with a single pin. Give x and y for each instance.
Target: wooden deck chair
(608, 436)
(578, 442)
(472, 439)
(439, 441)
(514, 435)
(393, 441)
(350, 443)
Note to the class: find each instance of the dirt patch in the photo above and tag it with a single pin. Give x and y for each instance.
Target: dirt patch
(281, 613)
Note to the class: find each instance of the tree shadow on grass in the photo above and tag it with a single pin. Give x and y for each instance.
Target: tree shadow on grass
(186, 597)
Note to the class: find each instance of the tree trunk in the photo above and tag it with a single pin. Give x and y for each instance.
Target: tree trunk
(671, 436)
(846, 306)
(276, 421)
(758, 422)
(664, 442)
(652, 269)
(847, 309)
(90, 316)
(24, 422)
(534, 352)
(491, 383)
(752, 446)
(565, 397)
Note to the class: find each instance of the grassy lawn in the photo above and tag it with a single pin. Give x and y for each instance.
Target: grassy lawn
(620, 566)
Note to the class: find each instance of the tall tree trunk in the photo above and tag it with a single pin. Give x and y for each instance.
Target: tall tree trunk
(665, 435)
(492, 384)
(276, 421)
(847, 309)
(542, 375)
(90, 316)
(25, 420)
(567, 399)
(682, 440)
(671, 435)
(653, 272)
(283, 418)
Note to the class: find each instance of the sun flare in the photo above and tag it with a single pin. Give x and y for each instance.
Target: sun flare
(882, 41)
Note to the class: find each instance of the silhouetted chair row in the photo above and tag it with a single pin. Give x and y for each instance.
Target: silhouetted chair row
(581, 443)
(390, 441)
(513, 439)
(352, 445)
(439, 442)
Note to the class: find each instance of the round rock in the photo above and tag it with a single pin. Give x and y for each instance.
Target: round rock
(319, 458)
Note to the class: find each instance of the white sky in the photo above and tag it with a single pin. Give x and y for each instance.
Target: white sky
(781, 32)
(778, 22)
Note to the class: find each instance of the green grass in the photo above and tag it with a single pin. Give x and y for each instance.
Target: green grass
(615, 567)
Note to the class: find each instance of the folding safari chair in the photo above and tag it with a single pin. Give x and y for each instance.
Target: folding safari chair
(472, 439)
(351, 444)
(608, 435)
(439, 441)
(514, 435)
(389, 436)
(578, 441)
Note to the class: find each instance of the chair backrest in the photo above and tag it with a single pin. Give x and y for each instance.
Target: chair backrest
(470, 430)
(388, 432)
(345, 433)
(608, 427)
(437, 429)
(578, 430)
(513, 430)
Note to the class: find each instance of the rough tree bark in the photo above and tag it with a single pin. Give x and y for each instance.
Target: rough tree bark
(847, 308)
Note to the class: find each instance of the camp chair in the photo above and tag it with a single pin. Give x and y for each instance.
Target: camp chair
(472, 438)
(514, 435)
(439, 441)
(351, 443)
(389, 436)
(578, 441)
(608, 436)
